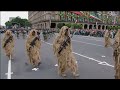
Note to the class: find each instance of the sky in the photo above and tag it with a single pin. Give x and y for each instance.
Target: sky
(4, 15)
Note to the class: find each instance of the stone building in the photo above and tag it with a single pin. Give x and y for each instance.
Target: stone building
(89, 19)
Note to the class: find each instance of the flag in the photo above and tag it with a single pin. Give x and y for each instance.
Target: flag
(69, 16)
(61, 14)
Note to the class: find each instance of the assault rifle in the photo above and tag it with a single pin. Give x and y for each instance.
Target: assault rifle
(8, 40)
(64, 44)
(33, 42)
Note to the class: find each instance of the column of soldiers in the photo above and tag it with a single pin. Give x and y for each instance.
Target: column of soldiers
(47, 34)
(62, 48)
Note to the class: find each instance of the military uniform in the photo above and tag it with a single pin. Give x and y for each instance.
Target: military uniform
(33, 44)
(116, 55)
(107, 38)
(66, 59)
(8, 44)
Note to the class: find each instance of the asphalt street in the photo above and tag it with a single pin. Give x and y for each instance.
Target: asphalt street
(94, 60)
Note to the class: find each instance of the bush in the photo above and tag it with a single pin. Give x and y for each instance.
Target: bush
(68, 25)
(60, 25)
(77, 26)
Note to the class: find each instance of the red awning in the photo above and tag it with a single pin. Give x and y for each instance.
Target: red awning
(77, 12)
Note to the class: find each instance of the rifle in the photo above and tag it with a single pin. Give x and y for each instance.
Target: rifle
(8, 40)
(33, 42)
(64, 44)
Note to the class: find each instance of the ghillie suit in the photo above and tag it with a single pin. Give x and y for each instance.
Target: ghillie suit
(8, 44)
(116, 55)
(107, 38)
(33, 44)
(63, 50)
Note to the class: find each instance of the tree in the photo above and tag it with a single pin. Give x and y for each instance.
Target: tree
(18, 21)
(8, 24)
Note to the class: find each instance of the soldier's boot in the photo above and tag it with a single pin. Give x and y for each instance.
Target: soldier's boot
(116, 77)
(62, 73)
(75, 74)
(39, 63)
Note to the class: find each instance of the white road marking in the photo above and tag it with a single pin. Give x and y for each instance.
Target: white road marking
(99, 62)
(88, 43)
(56, 65)
(7, 73)
(35, 69)
(103, 56)
(89, 38)
(9, 69)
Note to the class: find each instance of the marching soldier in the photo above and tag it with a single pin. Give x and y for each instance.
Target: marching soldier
(116, 54)
(23, 34)
(8, 44)
(63, 50)
(107, 38)
(33, 48)
(18, 33)
(45, 35)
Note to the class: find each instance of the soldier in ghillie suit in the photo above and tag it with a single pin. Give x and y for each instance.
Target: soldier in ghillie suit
(62, 48)
(33, 44)
(8, 44)
(116, 54)
(45, 35)
(107, 38)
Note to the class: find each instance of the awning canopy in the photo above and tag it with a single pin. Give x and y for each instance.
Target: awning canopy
(81, 14)
(77, 12)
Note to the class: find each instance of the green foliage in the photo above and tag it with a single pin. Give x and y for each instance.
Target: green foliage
(18, 21)
(113, 27)
(118, 27)
(8, 24)
(60, 25)
(77, 26)
(68, 25)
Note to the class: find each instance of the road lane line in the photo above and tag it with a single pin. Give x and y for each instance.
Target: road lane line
(90, 38)
(9, 69)
(99, 62)
(88, 43)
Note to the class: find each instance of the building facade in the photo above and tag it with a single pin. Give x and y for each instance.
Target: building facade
(88, 19)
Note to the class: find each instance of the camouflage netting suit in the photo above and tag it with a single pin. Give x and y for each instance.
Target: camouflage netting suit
(107, 38)
(9, 47)
(33, 52)
(116, 55)
(66, 59)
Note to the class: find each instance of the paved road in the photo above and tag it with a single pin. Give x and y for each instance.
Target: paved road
(94, 61)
